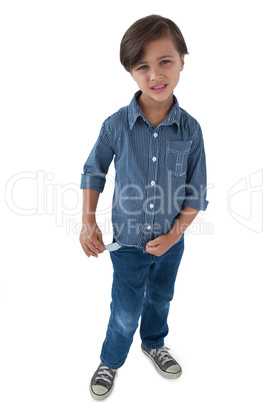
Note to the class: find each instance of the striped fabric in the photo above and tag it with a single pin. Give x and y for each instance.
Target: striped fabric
(159, 170)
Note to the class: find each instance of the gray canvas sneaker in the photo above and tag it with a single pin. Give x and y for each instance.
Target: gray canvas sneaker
(102, 382)
(164, 363)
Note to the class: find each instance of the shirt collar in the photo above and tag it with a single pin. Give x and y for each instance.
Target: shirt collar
(134, 111)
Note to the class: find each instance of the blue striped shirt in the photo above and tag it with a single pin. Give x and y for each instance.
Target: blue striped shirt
(159, 170)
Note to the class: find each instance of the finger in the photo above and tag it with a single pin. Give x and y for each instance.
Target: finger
(99, 243)
(150, 250)
(90, 249)
(99, 236)
(97, 247)
(153, 243)
(86, 250)
(92, 246)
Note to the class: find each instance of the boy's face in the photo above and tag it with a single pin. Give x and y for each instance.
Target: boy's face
(158, 73)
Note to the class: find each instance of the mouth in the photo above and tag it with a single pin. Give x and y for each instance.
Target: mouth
(158, 88)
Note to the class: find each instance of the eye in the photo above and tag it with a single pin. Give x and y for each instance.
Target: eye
(143, 67)
(165, 61)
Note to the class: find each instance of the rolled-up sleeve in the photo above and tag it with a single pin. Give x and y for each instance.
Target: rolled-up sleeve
(97, 164)
(196, 180)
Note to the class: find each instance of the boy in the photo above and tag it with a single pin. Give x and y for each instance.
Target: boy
(160, 186)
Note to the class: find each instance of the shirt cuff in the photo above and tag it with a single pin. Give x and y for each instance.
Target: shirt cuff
(90, 180)
(196, 203)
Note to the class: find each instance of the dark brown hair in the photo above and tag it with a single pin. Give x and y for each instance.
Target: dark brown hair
(143, 31)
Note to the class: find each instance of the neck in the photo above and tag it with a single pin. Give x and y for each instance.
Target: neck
(155, 112)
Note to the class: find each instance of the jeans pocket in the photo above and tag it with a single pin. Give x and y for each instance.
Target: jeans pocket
(177, 153)
(113, 246)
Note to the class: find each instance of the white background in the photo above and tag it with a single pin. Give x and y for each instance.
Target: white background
(60, 78)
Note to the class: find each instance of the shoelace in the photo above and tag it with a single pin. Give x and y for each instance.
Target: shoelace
(104, 373)
(162, 353)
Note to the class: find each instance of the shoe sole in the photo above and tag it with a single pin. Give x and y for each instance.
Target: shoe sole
(100, 397)
(162, 372)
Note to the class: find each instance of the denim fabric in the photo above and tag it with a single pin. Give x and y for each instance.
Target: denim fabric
(143, 286)
(159, 170)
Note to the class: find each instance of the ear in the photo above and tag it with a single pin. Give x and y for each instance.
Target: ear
(182, 62)
(132, 74)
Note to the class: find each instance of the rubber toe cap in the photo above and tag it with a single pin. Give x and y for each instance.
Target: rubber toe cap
(99, 390)
(174, 369)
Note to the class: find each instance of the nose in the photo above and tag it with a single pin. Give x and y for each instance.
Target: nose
(155, 74)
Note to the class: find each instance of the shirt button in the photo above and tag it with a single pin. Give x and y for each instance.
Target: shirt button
(148, 227)
(152, 183)
(155, 135)
(153, 158)
(151, 206)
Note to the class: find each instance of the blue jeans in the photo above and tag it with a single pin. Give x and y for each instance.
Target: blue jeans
(143, 286)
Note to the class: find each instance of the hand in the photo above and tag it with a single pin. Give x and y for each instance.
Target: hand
(160, 245)
(91, 239)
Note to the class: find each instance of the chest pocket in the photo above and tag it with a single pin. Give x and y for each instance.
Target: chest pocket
(177, 153)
